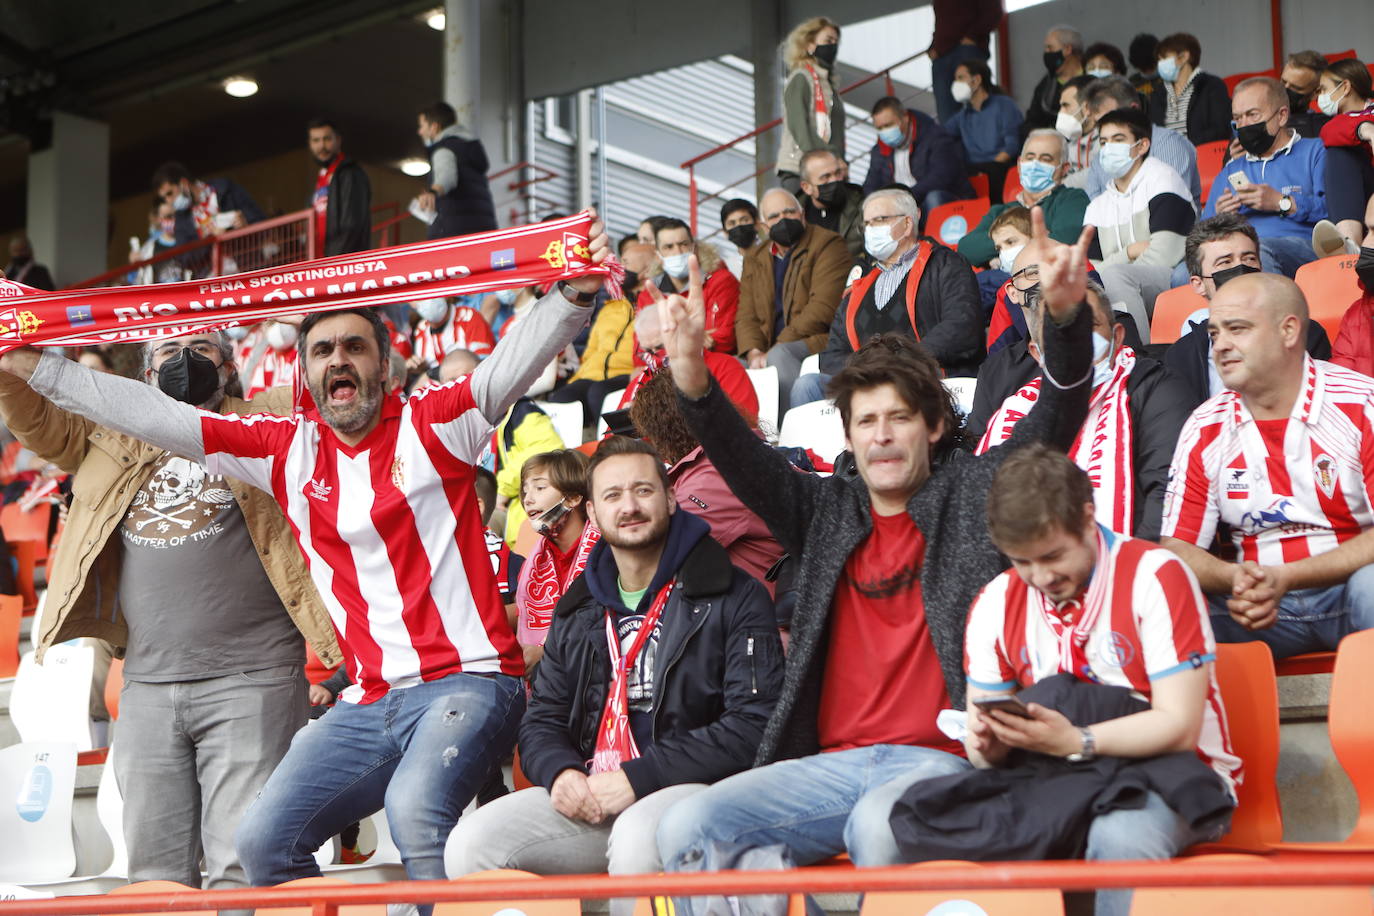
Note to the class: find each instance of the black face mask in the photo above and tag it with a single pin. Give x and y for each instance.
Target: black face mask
(1222, 277)
(1255, 138)
(743, 236)
(1298, 103)
(826, 54)
(831, 193)
(189, 377)
(787, 232)
(1054, 60)
(1364, 269)
(631, 281)
(21, 260)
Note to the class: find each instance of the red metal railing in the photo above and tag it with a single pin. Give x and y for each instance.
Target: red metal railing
(1283, 871)
(691, 164)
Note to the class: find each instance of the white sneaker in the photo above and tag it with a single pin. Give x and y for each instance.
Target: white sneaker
(1327, 240)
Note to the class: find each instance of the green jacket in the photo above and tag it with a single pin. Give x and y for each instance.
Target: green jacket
(1063, 218)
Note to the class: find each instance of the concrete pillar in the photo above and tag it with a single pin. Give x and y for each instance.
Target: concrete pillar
(583, 148)
(463, 61)
(765, 34)
(69, 199)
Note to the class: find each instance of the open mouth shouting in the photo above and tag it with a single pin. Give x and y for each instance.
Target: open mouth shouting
(342, 387)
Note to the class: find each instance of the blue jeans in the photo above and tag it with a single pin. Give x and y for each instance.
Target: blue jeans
(422, 752)
(1310, 619)
(810, 387)
(942, 77)
(1153, 831)
(816, 806)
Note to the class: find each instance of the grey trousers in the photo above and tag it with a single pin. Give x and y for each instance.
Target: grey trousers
(522, 830)
(189, 758)
(787, 357)
(1133, 289)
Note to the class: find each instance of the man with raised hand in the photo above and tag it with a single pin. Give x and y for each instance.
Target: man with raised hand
(379, 492)
(889, 561)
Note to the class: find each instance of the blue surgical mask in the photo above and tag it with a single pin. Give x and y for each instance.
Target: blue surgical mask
(237, 332)
(1036, 176)
(1116, 159)
(676, 266)
(879, 243)
(432, 310)
(507, 296)
(1103, 364)
(1168, 69)
(1101, 74)
(892, 136)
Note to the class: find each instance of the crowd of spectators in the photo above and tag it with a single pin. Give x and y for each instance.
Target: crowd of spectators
(714, 652)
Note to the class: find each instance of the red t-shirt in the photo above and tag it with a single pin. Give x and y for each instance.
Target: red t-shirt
(883, 683)
(320, 200)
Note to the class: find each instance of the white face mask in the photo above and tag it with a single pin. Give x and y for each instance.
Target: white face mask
(281, 337)
(237, 332)
(676, 265)
(1069, 127)
(507, 296)
(182, 201)
(1008, 257)
(1103, 363)
(431, 310)
(1329, 105)
(961, 91)
(878, 241)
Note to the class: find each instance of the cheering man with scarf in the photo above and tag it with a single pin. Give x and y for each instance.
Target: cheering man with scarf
(1127, 442)
(379, 493)
(662, 666)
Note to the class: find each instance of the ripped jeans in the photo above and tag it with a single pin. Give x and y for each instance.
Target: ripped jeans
(422, 752)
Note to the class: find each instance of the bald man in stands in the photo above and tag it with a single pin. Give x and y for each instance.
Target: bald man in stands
(789, 290)
(1285, 457)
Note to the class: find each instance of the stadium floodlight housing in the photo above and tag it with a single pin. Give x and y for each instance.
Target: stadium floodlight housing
(241, 87)
(415, 167)
(436, 19)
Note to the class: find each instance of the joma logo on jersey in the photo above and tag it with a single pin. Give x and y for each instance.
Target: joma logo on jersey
(1237, 483)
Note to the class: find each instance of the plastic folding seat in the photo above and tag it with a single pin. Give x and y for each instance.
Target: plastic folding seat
(1249, 901)
(964, 902)
(567, 419)
(963, 389)
(11, 610)
(981, 184)
(51, 701)
(765, 382)
(163, 887)
(1211, 157)
(37, 782)
(1175, 309)
(360, 909)
(1011, 186)
(950, 222)
(816, 426)
(529, 907)
(1330, 287)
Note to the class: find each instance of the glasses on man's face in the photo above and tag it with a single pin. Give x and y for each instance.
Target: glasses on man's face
(882, 220)
(1026, 279)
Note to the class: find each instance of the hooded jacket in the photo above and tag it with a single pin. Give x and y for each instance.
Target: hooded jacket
(717, 678)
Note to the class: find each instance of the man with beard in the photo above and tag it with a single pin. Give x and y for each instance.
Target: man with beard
(694, 669)
(213, 680)
(342, 199)
(830, 201)
(379, 492)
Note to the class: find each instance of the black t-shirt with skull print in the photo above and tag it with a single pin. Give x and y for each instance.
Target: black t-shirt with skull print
(192, 588)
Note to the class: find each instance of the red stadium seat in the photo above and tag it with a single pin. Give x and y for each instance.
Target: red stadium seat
(1210, 158)
(950, 222)
(1172, 310)
(1012, 186)
(1235, 78)
(530, 907)
(981, 186)
(11, 610)
(1330, 287)
(1250, 901)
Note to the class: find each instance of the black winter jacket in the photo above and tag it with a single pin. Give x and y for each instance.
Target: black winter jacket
(348, 222)
(822, 521)
(1187, 359)
(937, 161)
(718, 669)
(1209, 110)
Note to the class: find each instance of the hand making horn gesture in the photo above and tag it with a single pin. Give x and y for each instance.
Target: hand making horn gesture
(1063, 268)
(683, 322)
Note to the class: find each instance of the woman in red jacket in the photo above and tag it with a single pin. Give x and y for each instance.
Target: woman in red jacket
(1346, 95)
(1354, 345)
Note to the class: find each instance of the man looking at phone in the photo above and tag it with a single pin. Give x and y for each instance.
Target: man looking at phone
(1102, 607)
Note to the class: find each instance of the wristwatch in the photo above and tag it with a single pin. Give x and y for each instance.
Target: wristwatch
(1087, 752)
(1285, 205)
(573, 294)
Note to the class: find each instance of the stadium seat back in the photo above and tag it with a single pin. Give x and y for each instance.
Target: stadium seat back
(1351, 727)
(970, 902)
(981, 184)
(950, 222)
(1250, 901)
(37, 781)
(109, 810)
(51, 701)
(114, 686)
(165, 887)
(810, 365)
(1174, 309)
(1235, 79)
(567, 419)
(610, 403)
(816, 426)
(1250, 694)
(358, 909)
(963, 390)
(11, 611)
(1011, 186)
(765, 382)
(1211, 157)
(529, 907)
(31, 525)
(25, 555)
(1330, 287)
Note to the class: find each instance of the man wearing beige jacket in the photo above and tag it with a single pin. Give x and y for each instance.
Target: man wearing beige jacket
(198, 579)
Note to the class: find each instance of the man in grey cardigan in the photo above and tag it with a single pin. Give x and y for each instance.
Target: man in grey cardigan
(890, 561)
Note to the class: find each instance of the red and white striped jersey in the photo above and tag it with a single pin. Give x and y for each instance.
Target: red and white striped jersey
(390, 531)
(274, 368)
(1144, 619)
(1290, 488)
(466, 330)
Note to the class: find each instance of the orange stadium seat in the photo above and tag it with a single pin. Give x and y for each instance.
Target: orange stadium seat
(19, 525)
(361, 909)
(950, 222)
(164, 887)
(529, 907)
(1172, 310)
(11, 610)
(1248, 901)
(1032, 902)
(25, 555)
(1210, 158)
(1330, 287)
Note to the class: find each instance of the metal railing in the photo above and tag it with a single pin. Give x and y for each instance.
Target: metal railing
(1288, 870)
(691, 164)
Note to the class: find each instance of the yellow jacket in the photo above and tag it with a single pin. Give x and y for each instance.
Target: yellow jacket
(610, 350)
